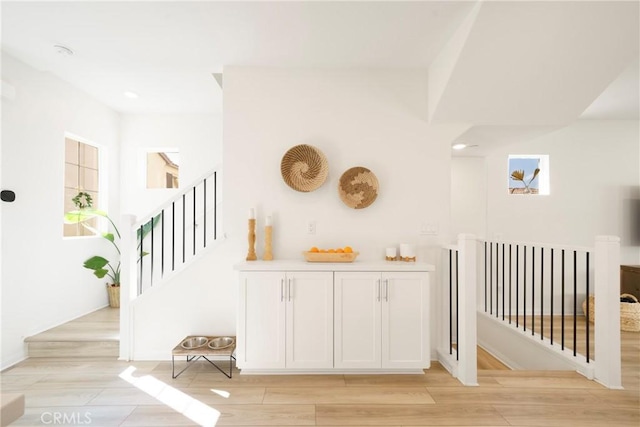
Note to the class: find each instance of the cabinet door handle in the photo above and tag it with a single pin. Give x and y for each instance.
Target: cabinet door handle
(386, 289)
(281, 290)
(379, 284)
(289, 289)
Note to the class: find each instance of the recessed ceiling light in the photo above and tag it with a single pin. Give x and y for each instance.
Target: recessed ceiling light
(131, 95)
(63, 50)
(459, 146)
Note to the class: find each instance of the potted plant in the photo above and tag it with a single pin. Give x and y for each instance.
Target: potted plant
(101, 266)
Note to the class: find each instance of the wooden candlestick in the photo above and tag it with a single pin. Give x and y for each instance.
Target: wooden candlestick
(251, 255)
(268, 254)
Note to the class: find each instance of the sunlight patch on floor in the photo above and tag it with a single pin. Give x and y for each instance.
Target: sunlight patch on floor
(221, 393)
(177, 400)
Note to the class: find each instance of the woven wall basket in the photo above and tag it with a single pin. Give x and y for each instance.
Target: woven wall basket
(358, 187)
(304, 168)
(629, 313)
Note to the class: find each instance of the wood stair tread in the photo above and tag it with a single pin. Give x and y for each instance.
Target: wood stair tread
(71, 338)
(96, 334)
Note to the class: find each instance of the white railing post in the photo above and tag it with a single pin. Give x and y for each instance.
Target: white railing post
(443, 308)
(467, 310)
(607, 311)
(128, 284)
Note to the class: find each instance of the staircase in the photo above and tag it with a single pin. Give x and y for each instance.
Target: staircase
(96, 334)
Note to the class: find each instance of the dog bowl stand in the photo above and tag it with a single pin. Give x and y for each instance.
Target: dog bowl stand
(202, 352)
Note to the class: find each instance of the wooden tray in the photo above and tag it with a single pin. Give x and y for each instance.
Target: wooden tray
(329, 257)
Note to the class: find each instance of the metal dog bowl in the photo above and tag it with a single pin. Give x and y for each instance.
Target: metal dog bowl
(193, 342)
(221, 342)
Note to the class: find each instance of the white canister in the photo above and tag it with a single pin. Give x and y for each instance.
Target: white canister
(391, 252)
(407, 250)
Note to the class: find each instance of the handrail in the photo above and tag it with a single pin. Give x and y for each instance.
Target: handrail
(539, 244)
(177, 197)
(176, 231)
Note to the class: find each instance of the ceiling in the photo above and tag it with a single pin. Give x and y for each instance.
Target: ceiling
(167, 51)
(515, 69)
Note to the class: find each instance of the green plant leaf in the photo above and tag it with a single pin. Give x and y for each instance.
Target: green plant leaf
(100, 273)
(95, 263)
(96, 212)
(101, 266)
(82, 215)
(146, 228)
(74, 217)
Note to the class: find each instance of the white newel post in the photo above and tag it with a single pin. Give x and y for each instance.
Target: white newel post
(607, 311)
(443, 316)
(128, 283)
(467, 315)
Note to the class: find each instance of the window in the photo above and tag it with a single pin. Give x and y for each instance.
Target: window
(163, 169)
(528, 174)
(81, 173)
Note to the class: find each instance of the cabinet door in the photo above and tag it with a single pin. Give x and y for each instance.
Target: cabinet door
(357, 320)
(261, 321)
(309, 325)
(405, 320)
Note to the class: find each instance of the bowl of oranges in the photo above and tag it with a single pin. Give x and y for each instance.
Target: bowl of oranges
(345, 254)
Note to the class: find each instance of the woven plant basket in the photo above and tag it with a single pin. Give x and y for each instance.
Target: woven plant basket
(114, 296)
(629, 313)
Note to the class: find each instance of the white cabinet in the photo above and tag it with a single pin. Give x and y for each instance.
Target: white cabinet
(285, 320)
(381, 320)
(322, 317)
(261, 321)
(358, 320)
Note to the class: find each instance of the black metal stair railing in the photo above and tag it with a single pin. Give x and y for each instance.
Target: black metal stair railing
(177, 232)
(453, 302)
(521, 288)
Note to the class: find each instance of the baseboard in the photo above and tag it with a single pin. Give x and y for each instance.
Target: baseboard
(331, 371)
(66, 321)
(13, 361)
(448, 362)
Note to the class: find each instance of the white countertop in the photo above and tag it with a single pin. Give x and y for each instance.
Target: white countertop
(301, 265)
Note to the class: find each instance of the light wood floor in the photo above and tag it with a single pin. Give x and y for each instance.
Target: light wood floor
(104, 392)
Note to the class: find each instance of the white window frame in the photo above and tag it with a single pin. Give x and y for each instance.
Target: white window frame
(103, 181)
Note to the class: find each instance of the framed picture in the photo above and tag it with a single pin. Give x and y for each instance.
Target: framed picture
(528, 174)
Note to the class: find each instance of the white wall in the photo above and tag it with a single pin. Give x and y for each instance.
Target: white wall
(43, 282)
(198, 138)
(365, 118)
(468, 196)
(595, 180)
(183, 305)
(357, 118)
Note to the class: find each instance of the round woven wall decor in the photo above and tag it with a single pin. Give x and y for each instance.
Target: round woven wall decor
(304, 168)
(358, 187)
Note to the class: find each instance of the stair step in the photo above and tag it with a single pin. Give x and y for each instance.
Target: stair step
(73, 348)
(95, 335)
